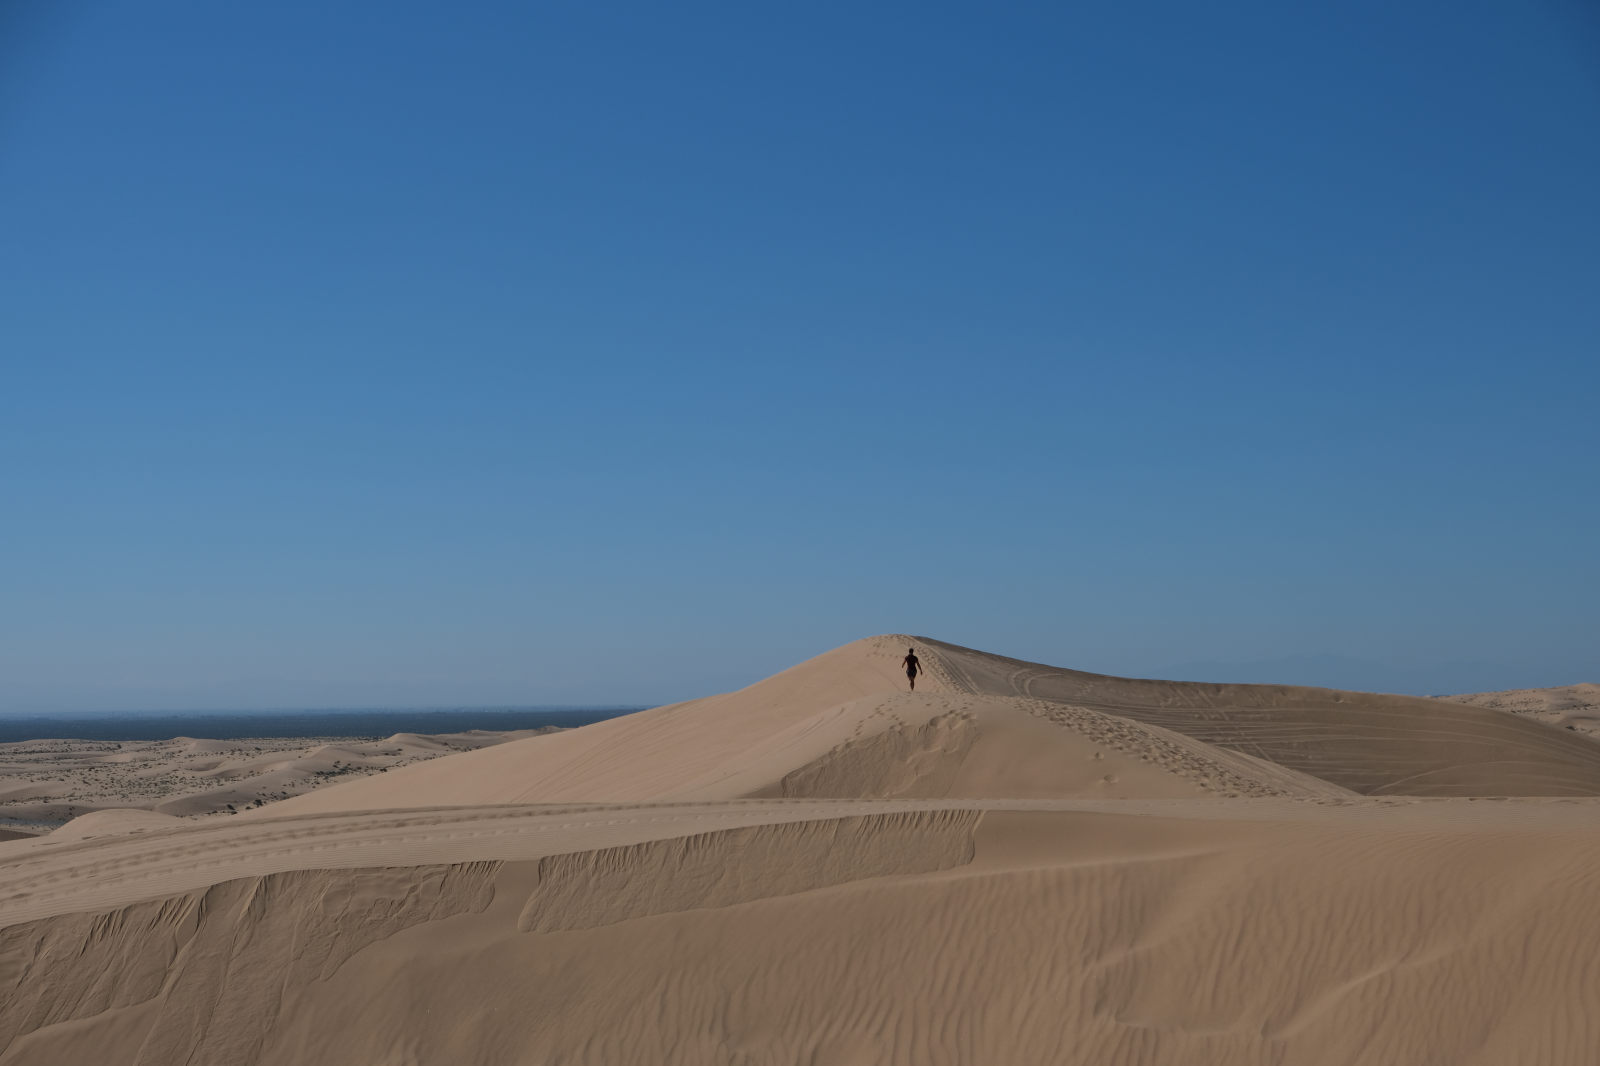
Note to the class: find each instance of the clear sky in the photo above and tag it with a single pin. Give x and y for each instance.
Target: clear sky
(371, 353)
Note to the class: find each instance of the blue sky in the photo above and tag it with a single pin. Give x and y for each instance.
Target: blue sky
(499, 353)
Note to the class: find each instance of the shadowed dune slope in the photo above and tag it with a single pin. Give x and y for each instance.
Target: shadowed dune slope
(1365, 742)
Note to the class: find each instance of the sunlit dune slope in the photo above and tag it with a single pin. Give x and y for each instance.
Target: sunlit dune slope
(1574, 707)
(843, 725)
(840, 725)
(720, 746)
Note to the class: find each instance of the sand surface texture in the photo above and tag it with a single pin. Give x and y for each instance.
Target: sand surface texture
(1015, 864)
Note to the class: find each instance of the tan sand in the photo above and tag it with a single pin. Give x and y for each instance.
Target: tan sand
(823, 868)
(46, 782)
(1574, 707)
(748, 743)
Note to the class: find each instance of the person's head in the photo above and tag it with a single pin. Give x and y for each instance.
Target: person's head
(911, 651)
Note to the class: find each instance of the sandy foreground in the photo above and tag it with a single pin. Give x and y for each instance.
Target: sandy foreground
(1015, 864)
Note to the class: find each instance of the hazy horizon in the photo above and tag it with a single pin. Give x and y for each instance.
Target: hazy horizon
(1312, 669)
(181, 712)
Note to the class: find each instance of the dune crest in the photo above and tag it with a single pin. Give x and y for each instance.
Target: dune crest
(1014, 863)
(844, 724)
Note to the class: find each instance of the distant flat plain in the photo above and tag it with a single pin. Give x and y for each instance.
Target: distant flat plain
(55, 768)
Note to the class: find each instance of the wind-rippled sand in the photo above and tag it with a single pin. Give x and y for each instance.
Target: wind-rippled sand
(1015, 864)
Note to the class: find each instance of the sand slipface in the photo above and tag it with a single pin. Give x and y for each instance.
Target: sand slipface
(1016, 863)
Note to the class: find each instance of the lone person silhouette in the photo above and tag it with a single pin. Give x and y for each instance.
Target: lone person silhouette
(913, 668)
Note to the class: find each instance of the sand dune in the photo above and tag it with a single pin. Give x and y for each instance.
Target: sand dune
(1015, 864)
(1173, 935)
(1573, 707)
(813, 727)
(1368, 743)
